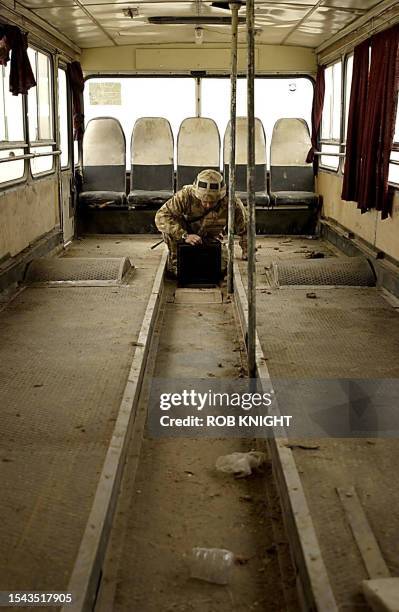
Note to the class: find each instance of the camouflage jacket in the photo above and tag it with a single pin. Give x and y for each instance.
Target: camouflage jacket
(185, 213)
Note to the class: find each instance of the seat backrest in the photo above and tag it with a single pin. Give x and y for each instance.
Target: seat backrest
(104, 155)
(242, 154)
(151, 150)
(198, 148)
(289, 148)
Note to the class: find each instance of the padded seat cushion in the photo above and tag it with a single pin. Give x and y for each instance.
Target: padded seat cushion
(294, 197)
(140, 197)
(97, 198)
(261, 198)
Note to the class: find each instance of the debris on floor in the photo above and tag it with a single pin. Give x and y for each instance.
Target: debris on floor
(211, 564)
(311, 295)
(315, 255)
(241, 464)
(246, 498)
(303, 446)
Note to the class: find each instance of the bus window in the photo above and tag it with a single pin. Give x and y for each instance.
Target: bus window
(347, 97)
(394, 167)
(11, 129)
(348, 86)
(40, 111)
(63, 117)
(274, 99)
(331, 120)
(215, 100)
(127, 99)
(280, 99)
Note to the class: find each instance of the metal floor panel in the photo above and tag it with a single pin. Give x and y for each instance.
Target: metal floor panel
(344, 332)
(349, 271)
(64, 356)
(77, 270)
(340, 333)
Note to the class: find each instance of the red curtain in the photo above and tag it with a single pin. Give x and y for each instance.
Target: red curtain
(357, 113)
(76, 80)
(21, 75)
(317, 111)
(379, 123)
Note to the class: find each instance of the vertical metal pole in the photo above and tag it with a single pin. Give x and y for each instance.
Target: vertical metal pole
(232, 162)
(251, 189)
(198, 96)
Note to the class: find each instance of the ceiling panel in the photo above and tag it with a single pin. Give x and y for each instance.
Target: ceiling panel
(364, 5)
(280, 18)
(304, 39)
(146, 10)
(281, 21)
(272, 36)
(93, 39)
(284, 3)
(36, 4)
(64, 18)
(326, 21)
(164, 34)
(153, 8)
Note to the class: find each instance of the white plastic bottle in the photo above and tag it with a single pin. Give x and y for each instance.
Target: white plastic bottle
(212, 564)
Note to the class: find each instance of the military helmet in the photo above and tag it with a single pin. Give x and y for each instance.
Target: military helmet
(209, 183)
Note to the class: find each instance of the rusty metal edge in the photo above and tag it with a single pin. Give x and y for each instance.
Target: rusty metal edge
(313, 584)
(86, 572)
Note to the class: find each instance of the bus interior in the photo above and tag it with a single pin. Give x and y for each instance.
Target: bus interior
(107, 110)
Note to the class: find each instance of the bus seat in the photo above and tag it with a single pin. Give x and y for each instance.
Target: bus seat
(152, 169)
(198, 148)
(291, 178)
(104, 163)
(261, 195)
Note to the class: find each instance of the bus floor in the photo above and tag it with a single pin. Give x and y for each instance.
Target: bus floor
(173, 499)
(341, 333)
(65, 353)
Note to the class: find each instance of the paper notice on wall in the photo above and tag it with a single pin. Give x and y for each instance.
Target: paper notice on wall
(105, 94)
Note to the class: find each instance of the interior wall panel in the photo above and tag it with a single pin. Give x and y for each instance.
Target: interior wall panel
(383, 235)
(26, 213)
(269, 58)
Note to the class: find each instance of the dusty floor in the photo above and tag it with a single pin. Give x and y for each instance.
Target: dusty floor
(178, 500)
(65, 354)
(340, 333)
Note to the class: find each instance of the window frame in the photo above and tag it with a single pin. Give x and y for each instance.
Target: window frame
(44, 142)
(395, 149)
(195, 75)
(346, 106)
(342, 144)
(68, 166)
(337, 142)
(9, 145)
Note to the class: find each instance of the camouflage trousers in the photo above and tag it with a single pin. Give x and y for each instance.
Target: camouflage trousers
(172, 258)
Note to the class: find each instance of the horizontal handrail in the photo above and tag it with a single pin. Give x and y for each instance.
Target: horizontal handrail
(6, 144)
(324, 153)
(3, 160)
(54, 153)
(42, 143)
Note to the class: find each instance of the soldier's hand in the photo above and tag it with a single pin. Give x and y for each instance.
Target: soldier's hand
(193, 239)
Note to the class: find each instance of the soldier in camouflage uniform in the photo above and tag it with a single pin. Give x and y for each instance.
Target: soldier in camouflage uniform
(198, 213)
